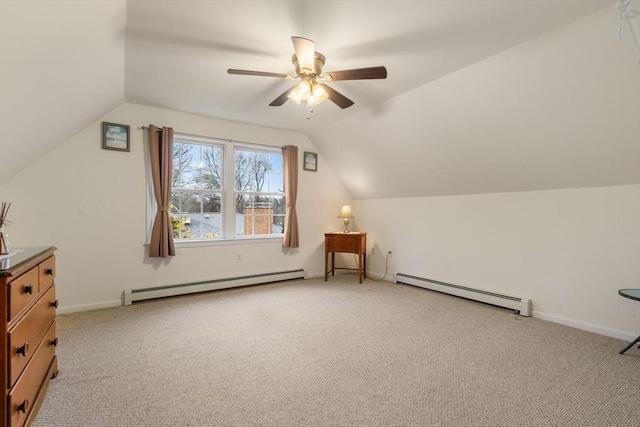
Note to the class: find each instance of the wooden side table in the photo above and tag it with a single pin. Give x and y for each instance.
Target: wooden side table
(353, 242)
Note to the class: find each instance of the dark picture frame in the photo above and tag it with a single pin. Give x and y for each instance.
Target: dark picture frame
(310, 161)
(115, 136)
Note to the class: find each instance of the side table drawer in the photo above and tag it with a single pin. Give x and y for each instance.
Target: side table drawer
(343, 244)
(26, 336)
(22, 292)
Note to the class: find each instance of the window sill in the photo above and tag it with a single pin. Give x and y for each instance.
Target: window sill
(223, 242)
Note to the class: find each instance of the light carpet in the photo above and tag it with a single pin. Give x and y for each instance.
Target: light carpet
(336, 353)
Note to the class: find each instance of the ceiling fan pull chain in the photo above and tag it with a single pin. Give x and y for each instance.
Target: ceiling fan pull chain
(309, 112)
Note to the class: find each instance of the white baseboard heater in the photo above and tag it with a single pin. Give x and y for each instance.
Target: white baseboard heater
(131, 295)
(521, 305)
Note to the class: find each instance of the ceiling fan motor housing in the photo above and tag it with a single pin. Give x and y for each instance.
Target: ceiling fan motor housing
(318, 61)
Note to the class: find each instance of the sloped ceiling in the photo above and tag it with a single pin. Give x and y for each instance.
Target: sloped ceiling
(61, 69)
(482, 95)
(560, 111)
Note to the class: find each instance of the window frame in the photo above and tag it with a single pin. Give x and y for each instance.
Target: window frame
(227, 191)
(267, 193)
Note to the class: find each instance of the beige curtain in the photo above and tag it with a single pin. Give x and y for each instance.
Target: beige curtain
(161, 148)
(290, 169)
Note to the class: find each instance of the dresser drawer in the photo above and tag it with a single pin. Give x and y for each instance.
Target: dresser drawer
(25, 395)
(22, 291)
(26, 336)
(47, 272)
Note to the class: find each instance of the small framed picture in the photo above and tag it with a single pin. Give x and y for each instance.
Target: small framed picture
(310, 161)
(115, 136)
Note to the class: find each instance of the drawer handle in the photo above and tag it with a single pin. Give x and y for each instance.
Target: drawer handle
(49, 271)
(54, 342)
(28, 289)
(54, 304)
(24, 406)
(24, 350)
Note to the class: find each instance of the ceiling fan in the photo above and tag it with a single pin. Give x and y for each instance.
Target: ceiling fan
(308, 66)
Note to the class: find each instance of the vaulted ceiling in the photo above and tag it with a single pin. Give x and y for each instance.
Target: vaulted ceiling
(481, 95)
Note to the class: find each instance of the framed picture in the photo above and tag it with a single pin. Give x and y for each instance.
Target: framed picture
(310, 161)
(115, 136)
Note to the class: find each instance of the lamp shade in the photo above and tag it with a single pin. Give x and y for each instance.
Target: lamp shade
(345, 212)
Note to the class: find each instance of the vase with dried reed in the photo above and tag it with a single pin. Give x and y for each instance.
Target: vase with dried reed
(4, 210)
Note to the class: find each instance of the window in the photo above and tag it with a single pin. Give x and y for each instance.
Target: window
(225, 190)
(259, 188)
(196, 196)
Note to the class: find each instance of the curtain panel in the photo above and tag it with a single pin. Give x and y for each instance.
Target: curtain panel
(161, 150)
(290, 170)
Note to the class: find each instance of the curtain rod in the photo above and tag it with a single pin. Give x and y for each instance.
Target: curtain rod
(226, 139)
(212, 137)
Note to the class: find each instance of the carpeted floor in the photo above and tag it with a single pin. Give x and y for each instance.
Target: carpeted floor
(310, 353)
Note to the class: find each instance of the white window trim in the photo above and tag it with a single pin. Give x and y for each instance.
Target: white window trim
(229, 208)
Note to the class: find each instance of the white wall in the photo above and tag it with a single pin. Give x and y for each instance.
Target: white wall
(568, 250)
(90, 203)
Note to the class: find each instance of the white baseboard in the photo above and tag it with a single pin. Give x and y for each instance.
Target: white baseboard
(87, 307)
(213, 284)
(613, 333)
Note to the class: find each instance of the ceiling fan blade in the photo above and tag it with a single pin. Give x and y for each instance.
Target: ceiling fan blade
(339, 99)
(305, 50)
(258, 73)
(356, 74)
(281, 99)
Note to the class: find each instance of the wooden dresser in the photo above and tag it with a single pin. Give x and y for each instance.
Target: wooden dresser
(28, 307)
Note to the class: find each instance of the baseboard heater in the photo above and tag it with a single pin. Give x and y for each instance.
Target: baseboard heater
(131, 295)
(521, 306)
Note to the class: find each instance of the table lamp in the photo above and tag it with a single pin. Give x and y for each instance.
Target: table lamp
(345, 213)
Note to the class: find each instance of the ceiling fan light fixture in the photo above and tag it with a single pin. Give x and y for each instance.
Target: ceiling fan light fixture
(299, 93)
(318, 91)
(308, 91)
(317, 96)
(304, 89)
(294, 96)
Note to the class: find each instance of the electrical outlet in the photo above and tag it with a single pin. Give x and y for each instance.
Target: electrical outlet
(239, 258)
(373, 250)
(390, 254)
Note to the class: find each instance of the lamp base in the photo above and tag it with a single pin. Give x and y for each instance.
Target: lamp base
(346, 225)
